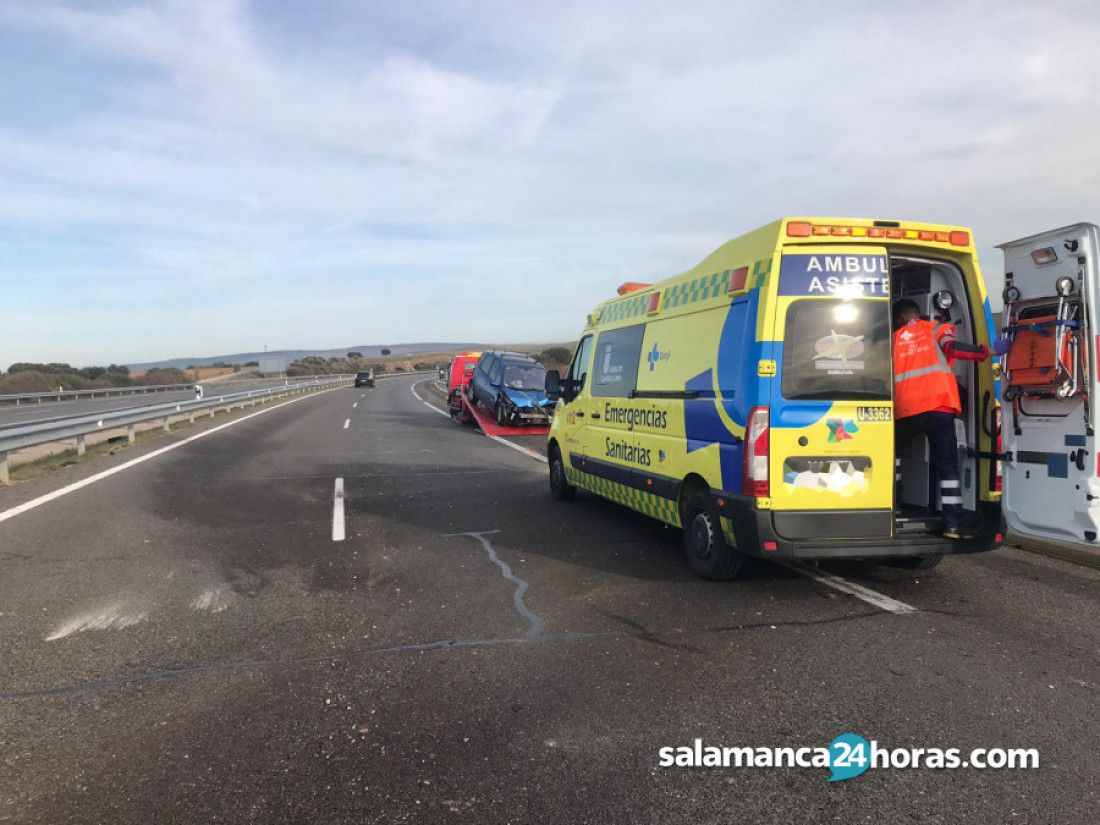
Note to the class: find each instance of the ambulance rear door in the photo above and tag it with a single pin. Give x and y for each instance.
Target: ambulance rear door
(1049, 386)
(832, 435)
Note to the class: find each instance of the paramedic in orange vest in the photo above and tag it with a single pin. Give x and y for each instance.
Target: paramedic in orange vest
(926, 398)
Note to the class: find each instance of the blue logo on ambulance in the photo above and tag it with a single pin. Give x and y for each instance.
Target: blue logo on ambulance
(835, 276)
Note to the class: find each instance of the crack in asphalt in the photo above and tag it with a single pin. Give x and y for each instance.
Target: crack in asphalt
(534, 623)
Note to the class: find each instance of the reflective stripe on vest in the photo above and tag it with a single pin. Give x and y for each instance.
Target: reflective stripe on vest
(933, 382)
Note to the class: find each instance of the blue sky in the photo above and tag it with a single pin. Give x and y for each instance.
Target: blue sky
(208, 176)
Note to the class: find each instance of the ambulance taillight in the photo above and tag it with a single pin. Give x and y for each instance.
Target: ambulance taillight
(754, 476)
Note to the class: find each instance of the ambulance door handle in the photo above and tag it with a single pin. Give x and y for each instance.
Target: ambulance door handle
(1078, 458)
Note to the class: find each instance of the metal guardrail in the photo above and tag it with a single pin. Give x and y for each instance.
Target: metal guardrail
(80, 426)
(104, 392)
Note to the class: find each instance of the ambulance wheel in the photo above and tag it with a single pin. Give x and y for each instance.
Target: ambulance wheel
(709, 555)
(560, 488)
(918, 562)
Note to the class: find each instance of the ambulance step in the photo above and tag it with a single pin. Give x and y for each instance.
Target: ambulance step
(909, 525)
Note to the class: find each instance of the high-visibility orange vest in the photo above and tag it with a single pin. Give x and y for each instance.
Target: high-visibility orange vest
(923, 379)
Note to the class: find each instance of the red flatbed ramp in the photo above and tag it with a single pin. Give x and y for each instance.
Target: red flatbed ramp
(485, 421)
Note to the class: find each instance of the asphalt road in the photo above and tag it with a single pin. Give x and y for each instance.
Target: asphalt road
(11, 415)
(183, 640)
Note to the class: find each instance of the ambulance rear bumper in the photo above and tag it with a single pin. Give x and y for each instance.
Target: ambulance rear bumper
(753, 527)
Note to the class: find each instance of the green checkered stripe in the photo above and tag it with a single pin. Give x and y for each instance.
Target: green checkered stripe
(698, 289)
(712, 286)
(624, 309)
(760, 271)
(662, 509)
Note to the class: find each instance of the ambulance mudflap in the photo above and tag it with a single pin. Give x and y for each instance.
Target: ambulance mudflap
(832, 434)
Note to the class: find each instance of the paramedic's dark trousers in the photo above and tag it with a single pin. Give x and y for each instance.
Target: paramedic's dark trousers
(939, 427)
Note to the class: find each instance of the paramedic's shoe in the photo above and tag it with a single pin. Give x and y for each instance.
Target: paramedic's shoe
(957, 533)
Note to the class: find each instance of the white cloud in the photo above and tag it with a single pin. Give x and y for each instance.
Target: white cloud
(531, 156)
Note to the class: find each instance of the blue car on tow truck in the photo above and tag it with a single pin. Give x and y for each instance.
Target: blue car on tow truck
(511, 386)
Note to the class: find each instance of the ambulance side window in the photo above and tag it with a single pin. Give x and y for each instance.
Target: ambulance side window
(615, 369)
(578, 372)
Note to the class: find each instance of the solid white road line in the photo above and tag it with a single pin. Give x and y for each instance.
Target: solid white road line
(527, 452)
(431, 407)
(76, 485)
(851, 588)
(347, 423)
(338, 511)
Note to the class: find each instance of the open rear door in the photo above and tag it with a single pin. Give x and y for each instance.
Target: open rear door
(1049, 386)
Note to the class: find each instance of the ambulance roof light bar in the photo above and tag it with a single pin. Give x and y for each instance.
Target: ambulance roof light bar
(882, 229)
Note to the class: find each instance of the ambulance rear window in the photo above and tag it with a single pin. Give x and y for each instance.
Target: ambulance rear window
(837, 350)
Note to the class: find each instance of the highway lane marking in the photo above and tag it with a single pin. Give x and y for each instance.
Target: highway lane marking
(879, 600)
(77, 485)
(356, 404)
(526, 451)
(347, 423)
(431, 407)
(338, 511)
(534, 623)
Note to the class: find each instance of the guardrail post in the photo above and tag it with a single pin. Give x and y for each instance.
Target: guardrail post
(80, 448)
(192, 416)
(167, 428)
(4, 478)
(130, 434)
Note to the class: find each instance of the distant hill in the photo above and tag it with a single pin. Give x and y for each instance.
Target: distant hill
(368, 350)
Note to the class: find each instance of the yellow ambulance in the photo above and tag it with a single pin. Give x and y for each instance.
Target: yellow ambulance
(749, 400)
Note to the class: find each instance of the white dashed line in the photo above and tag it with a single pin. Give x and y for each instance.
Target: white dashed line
(851, 588)
(356, 404)
(347, 423)
(338, 511)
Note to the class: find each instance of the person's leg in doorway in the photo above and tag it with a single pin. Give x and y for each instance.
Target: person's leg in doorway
(940, 429)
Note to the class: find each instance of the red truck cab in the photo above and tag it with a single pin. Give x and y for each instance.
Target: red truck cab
(462, 368)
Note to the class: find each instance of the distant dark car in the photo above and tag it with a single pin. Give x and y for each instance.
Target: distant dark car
(512, 386)
(364, 379)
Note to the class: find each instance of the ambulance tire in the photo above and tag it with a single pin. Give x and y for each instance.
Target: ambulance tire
(708, 553)
(560, 488)
(917, 562)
